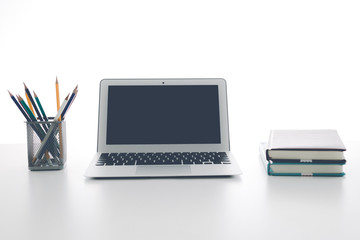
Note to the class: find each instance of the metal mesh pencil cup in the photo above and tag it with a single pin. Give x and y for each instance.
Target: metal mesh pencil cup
(46, 144)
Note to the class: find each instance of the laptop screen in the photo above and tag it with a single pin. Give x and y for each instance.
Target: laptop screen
(169, 114)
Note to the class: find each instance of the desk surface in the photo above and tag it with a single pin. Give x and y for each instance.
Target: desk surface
(65, 205)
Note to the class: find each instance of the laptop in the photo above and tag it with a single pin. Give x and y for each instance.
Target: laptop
(163, 128)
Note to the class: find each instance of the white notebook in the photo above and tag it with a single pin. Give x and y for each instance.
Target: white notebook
(305, 145)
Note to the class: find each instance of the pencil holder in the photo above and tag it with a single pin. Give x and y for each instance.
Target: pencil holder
(46, 144)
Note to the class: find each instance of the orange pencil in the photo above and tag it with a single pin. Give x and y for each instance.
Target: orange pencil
(57, 96)
(29, 102)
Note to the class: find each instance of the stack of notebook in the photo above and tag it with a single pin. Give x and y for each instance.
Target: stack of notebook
(304, 153)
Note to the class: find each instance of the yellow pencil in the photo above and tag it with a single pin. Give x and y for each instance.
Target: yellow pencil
(57, 96)
(29, 102)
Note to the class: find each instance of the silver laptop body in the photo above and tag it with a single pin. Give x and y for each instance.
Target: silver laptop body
(163, 128)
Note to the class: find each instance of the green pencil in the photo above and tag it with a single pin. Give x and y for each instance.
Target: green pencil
(40, 106)
(27, 109)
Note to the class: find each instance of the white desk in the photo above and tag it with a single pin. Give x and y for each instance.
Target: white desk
(65, 205)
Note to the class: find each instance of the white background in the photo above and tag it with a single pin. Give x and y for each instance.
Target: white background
(288, 64)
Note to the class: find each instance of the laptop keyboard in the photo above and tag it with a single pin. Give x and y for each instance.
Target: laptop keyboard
(175, 158)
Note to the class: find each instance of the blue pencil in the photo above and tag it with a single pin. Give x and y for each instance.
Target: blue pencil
(32, 102)
(20, 108)
(69, 102)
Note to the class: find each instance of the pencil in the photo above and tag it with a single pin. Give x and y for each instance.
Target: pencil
(28, 100)
(59, 114)
(57, 95)
(61, 109)
(72, 97)
(32, 102)
(20, 108)
(50, 132)
(42, 128)
(42, 149)
(38, 132)
(45, 127)
(29, 112)
(40, 106)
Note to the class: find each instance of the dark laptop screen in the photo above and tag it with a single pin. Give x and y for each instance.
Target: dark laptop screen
(163, 115)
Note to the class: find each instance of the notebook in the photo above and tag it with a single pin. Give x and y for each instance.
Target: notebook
(163, 128)
(311, 146)
(292, 167)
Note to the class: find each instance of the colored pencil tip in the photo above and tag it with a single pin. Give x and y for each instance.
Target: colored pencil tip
(35, 94)
(56, 80)
(25, 85)
(67, 97)
(10, 93)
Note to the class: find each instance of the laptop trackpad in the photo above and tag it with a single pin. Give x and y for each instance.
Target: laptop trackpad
(163, 170)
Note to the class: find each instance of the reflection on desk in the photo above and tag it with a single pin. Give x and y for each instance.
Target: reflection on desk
(65, 205)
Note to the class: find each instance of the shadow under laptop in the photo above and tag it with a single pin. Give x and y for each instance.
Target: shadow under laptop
(89, 180)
